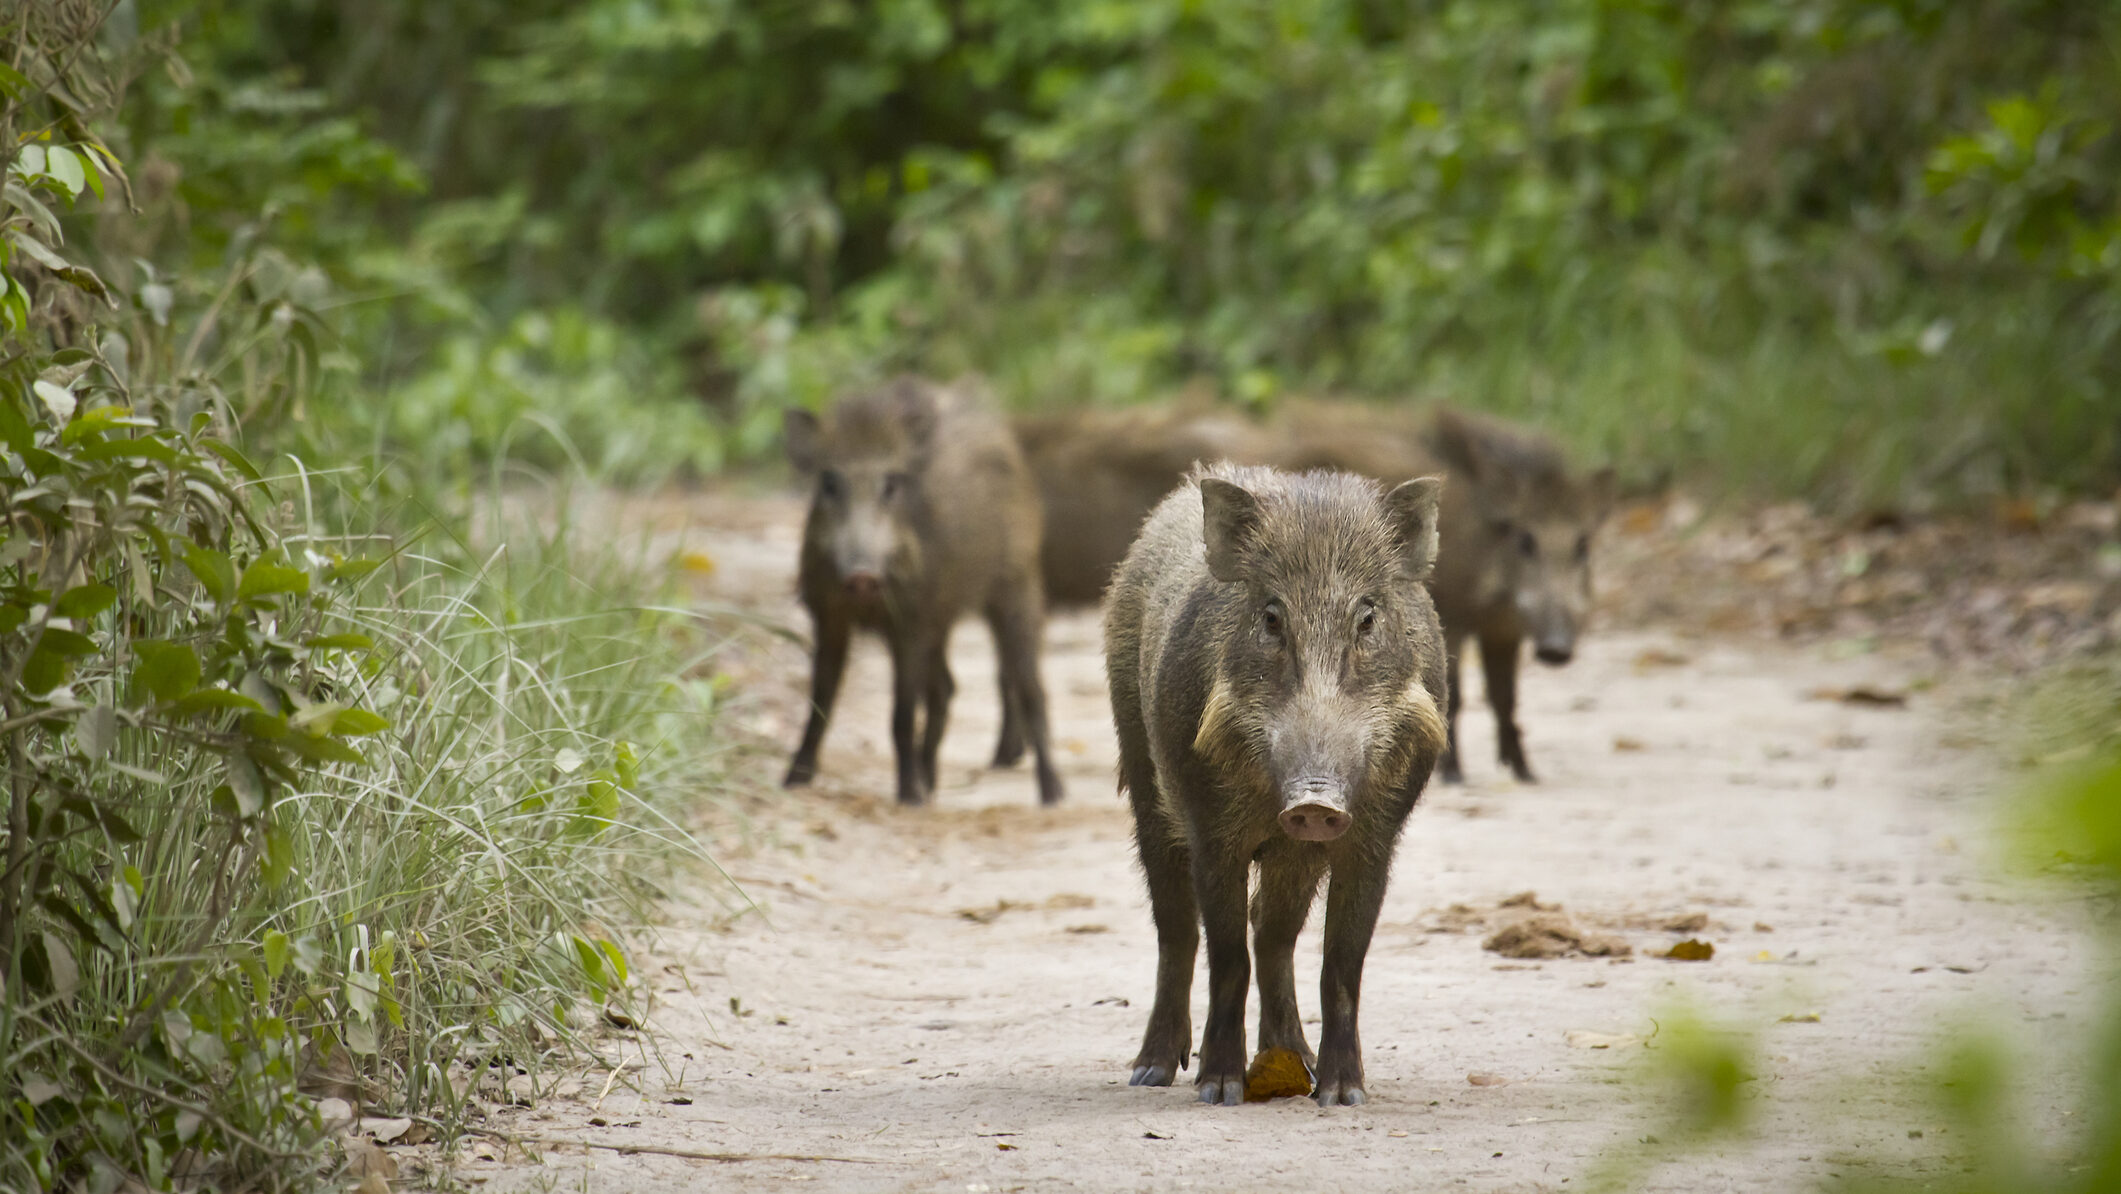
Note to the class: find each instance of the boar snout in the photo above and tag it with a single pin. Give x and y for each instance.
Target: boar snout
(1555, 650)
(1315, 810)
(864, 585)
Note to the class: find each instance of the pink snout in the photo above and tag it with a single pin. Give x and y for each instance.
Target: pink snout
(1315, 822)
(864, 586)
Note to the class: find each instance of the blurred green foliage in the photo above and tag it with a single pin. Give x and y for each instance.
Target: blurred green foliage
(1863, 249)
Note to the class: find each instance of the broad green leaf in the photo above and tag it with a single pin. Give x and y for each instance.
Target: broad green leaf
(351, 570)
(95, 730)
(324, 750)
(216, 574)
(341, 642)
(596, 808)
(85, 601)
(62, 974)
(316, 720)
(263, 580)
(278, 861)
(616, 959)
(61, 164)
(277, 950)
(214, 700)
(628, 764)
(57, 399)
(166, 670)
(361, 1036)
(66, 642)
(592, 962)
(236, 460)
(355, 722)
(247, 785)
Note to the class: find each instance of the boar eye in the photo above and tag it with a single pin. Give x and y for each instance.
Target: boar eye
(1583, 548)
(829, 484)
(1366, 619)
(894, 484)
(1270, 618)
(1527, 545)
(1501, 527)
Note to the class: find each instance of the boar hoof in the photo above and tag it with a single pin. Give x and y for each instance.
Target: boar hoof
(1151, 1075)
(1230, 1092)
(1008, 754)
(799, 775)
(1341, 1096)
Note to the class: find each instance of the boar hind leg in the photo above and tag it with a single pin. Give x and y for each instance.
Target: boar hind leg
(1288, 880)
(909, 686)
(1168, 1042)
(826, 668)
(1009, 748)
(1498, 663)
(1447, 767)
(1019, 623)
(1352, 901)
(940, 688)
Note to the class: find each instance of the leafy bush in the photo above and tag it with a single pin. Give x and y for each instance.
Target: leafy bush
(295, 802)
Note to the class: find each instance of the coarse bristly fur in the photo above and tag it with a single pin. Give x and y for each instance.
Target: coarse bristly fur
(1268, 636)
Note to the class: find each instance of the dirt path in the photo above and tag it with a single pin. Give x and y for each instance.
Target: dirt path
(949, 997)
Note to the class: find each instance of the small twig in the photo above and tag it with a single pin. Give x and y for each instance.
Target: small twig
(657, 1150)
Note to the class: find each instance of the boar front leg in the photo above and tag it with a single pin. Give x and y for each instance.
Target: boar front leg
(909, 685)
(1288, 880)
(1498, 663)
(1219, 875)
(1353, 898)
(827, 665)
(940, 688)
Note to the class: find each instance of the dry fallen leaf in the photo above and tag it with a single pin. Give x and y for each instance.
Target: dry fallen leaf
(1690, 950)
(1794, 1018)
(364, 1159)
(1584, 1038)
(1070, 899)
(1862, 694)
(987, 916)
(1552, 935)
(1528, 899)
(1626, 745)
(699, 563)
(1650, 657)
(1481, 1078)
(1693, 922)
(385, 1130)
(1277, 1074)
(1092, 928)
(372, 1184)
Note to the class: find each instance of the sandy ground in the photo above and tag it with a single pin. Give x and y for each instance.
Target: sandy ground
(947, 999)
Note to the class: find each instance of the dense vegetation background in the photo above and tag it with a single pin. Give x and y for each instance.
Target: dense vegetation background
(1858, 251)
(312, 787)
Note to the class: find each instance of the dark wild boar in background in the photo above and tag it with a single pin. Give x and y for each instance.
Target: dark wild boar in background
(921, 510)
(1518, 529)
(1274, 660)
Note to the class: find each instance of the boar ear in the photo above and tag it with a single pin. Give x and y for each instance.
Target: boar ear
(1600, 491)
(803, 438)
(1229, 519)
(1411, 509)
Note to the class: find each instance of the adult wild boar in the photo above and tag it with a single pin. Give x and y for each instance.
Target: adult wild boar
(1273, 659)
(921, 511)
(1517, 532)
